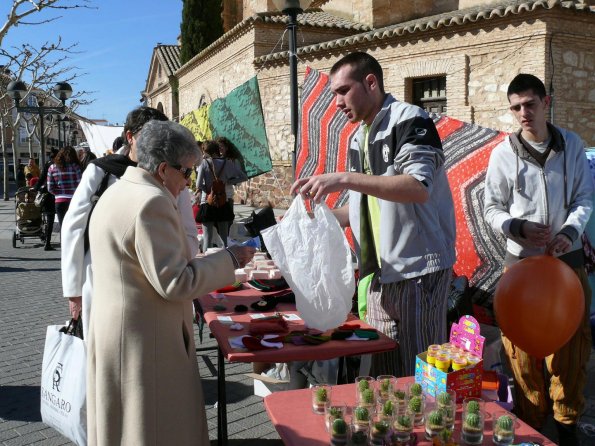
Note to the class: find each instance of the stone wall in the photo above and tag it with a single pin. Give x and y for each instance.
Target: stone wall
(164, 97)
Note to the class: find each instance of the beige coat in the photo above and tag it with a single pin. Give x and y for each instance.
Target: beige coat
(142, 380)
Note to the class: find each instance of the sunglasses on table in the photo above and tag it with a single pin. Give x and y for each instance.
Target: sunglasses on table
(186, 171)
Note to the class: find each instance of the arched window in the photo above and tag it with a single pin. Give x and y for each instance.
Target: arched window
(160, 107)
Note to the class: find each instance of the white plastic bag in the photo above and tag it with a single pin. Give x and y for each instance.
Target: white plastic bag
(63, 384)
(315, 259)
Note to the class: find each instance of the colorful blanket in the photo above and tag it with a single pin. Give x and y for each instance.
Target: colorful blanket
(238, 116)
(325, 137)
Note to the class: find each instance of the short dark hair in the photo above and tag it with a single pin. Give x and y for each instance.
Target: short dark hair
(362, 65)
(140, 116)
(525, 82)
(211, 148)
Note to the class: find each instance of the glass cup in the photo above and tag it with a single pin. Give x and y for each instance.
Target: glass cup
(386, 409)
(321, 398)
(415, 389)
(472, 427)
(417, 405)
(379, 430)
(434, 420)
(385, 385)
(365, 391)
(340, 431)
(400, 395)
(361, 417)
(402, 427)
(473, 405)
(334, 411)
(447, 401)
(504, 424)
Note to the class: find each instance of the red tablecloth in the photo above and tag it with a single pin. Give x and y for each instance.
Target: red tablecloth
(291, 414)
(289, 352)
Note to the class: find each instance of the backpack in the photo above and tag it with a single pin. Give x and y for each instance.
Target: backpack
(217, 196)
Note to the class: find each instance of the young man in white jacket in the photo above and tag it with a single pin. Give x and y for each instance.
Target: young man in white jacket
(77, 282)
(538, 194)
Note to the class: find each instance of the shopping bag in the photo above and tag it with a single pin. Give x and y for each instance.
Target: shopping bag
(63, 384)
(315, 260)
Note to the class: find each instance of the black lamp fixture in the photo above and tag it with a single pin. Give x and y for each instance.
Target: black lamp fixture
(17, 90)
(292, 8)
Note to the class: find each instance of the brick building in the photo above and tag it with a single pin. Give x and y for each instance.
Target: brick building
(452, 56)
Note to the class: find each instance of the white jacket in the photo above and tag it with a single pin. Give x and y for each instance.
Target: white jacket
(560, 194)
(77, 279)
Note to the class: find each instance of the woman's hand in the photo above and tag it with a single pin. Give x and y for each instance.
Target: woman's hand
(243, 254)
(76, 305)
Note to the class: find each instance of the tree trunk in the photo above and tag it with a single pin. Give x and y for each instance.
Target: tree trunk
(4, 159)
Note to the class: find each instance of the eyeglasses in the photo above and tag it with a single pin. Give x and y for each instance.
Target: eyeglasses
(186, 171)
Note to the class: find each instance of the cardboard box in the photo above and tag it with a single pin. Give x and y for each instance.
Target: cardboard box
(466, 382)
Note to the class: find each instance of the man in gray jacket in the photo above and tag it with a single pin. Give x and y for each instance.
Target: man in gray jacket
(400, 210)
(538, 194)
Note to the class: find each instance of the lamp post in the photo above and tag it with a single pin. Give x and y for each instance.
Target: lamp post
(65, 123)
(292, 8)
(17, 91)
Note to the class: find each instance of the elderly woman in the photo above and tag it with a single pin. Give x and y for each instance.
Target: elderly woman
(143, 384)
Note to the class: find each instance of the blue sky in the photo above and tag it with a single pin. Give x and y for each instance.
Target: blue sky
(115, 42)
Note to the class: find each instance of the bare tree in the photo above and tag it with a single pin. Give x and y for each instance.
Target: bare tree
(42, 68)
(23, 9)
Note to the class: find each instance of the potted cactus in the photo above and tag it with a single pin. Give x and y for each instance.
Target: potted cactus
(379, 432)
(415, 390)
(320, 399)
(434, 423)
(444, 399)
(472, 428)
(388, 410)
(339, 435)
(361, 416)
(504, 430)
(367, 398)
(446, 438)
(400, 398)
(385, 385)
(472, 407)
(402, 427)
(333, 413)
(416, 406)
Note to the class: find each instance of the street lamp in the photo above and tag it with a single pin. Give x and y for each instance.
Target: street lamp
(292, 8)
(65, 122)
(17, 91)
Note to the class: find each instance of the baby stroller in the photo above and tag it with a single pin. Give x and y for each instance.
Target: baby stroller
(29, 221)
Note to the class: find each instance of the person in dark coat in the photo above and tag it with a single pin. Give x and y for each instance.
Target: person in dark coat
(49, 205)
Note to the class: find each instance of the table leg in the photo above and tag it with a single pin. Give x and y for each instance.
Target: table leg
(221, 401)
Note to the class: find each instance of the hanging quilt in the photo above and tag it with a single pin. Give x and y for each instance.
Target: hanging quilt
(325, 136)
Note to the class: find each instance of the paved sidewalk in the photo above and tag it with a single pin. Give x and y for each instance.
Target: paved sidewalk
(31, 299)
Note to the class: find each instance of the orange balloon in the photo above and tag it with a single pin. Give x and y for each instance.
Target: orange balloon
(539, 304)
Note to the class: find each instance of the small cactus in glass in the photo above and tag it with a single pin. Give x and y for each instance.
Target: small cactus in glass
(504, 430)
(388, 409)
(361, 415)
(415, 390)
(472, 428)
(367, 398)
(434, 423)
(339, 432)
(472, 407)
(402, 427)
(416, 406)
(378, 432)
(444, 399)
(333, 413)
(363, 385)
(320, 399)
(385, 386)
